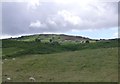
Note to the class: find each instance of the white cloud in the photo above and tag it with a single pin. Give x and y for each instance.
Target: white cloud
(37, 24)
(8, 36)
(59, 1)
(33, 4)
(51, 22)
(69, 17)
(52, 33)
(83, 2)
(116, 35)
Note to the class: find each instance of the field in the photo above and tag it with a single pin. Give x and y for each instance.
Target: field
(56, 62)
(0, 61)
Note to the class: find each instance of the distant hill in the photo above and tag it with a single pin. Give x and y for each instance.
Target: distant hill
(56, 37)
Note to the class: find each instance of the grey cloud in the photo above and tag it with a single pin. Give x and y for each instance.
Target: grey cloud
(17, 18)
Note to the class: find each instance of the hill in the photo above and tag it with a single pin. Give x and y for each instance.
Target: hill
(55, 37)
(51, 43)
(64, 59)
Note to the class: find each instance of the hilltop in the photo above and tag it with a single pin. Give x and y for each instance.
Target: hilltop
(55, 37)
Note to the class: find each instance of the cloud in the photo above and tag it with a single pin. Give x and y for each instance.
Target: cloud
(33, 4)
(51, 22)
(38, 16)
(116, 35)
(69, 17)
(37, 24)
(7, 36)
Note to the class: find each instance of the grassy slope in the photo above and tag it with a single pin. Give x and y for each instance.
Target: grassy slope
(85, 65)
(12, 48)
(0, 61)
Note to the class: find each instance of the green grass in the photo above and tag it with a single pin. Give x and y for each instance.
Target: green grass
(63, 62)
(88, 65)
(10, 50)
(13, 48)
(0, 70)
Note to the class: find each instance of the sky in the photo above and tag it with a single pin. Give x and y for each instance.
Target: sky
(88, 18)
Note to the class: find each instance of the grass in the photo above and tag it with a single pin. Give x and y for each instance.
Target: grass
(88, 65)
(0, 71)
(13, 48)
(59, 62)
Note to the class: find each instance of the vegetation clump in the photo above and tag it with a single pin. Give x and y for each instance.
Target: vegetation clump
(38, 40)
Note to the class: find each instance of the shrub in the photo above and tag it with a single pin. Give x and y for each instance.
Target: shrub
(50, 40)
(87, 41)
(38, 40)
(55, 43)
